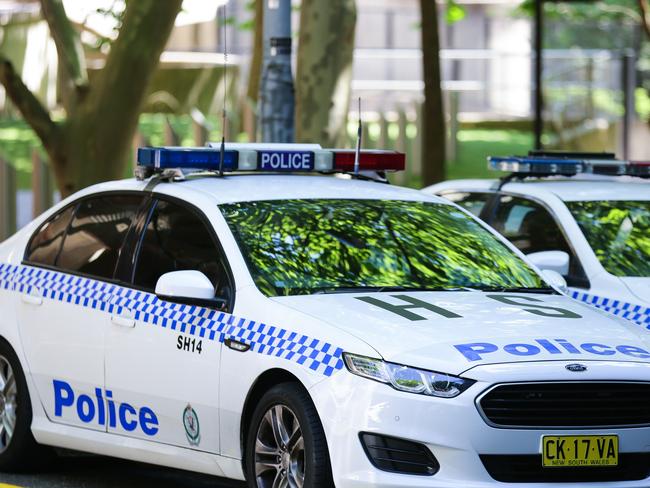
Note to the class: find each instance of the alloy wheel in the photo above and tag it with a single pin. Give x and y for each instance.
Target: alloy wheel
(8, 403)
(280, 450)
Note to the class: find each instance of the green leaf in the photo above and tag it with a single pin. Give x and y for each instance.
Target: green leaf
(455, 12)
(248, 25)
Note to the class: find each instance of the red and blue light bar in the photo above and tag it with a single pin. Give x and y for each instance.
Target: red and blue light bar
(276, 158)
(568, 164)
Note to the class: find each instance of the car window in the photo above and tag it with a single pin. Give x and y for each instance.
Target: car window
(303, 247)
(94, 239)
(531, 228)
(618, 232)
(44, 247)
(472, 202)
(177, 239)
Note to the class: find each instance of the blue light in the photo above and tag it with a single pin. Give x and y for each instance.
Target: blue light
(187, 158)
(537, 165)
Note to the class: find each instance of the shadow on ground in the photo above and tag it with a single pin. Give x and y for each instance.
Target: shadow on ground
(79, 471)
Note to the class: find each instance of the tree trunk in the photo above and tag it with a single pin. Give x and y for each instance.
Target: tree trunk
(92, 144)
(433, 115)
(258, 50)
(323, 80)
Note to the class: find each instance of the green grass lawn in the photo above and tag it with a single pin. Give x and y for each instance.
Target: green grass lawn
(475, 145)
(17, 141)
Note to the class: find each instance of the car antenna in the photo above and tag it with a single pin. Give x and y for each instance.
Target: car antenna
(224, 115)
(357, 154)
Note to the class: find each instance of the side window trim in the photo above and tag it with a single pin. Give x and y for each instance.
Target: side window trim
(155, 199)
(65, 234)
(550, 211)
(490, 207)
(125, 268)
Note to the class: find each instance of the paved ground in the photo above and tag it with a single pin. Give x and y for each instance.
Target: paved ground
(99, 472)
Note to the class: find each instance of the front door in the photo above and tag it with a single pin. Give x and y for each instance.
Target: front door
(162, 361)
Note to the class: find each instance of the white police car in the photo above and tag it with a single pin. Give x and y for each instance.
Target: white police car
(307, 331)
(567, 212)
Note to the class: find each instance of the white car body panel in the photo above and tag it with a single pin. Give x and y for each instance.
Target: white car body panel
(433, 343)
(627, 297)
(84, 322)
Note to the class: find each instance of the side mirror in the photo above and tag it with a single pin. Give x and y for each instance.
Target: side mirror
(191, 287)
(557, 261)
(555, 279)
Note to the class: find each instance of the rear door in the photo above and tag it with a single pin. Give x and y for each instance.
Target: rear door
(65, 287)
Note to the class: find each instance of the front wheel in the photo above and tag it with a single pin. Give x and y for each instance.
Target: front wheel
(286, 445)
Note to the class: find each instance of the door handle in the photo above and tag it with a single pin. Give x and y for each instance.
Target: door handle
(32, 299)
(123, 321)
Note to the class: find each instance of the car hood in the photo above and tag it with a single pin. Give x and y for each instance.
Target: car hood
(639, 287)
(455, 331)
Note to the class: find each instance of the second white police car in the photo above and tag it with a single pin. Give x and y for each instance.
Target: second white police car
(584, 215)
(307, 331)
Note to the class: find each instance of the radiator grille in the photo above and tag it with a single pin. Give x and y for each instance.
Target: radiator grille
(568, 404)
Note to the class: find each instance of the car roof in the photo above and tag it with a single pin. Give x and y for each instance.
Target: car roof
(259, 187)
(582, 188)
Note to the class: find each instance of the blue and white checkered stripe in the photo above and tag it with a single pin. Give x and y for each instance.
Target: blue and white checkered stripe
(317, 355)
(635, 313)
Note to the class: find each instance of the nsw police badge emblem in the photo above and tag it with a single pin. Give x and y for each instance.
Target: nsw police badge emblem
(191, 424)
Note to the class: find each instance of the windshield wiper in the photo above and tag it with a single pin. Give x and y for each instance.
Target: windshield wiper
(380, 289)
(514, 289)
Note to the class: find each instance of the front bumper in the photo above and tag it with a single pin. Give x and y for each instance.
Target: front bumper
(453, 429)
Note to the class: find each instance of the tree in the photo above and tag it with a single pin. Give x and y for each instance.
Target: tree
(324, 73)
(258, 51)
(433, 115)
(645, 16)
(91, 144)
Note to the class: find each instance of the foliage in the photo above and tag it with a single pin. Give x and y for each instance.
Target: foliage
(619, 234)
(581, 24)
(101, 113)
(305, 246)
(455, 12)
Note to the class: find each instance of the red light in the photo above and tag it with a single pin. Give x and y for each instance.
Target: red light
(370, 161)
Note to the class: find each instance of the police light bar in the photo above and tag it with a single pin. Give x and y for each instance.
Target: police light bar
(568, 164)
(282, 158)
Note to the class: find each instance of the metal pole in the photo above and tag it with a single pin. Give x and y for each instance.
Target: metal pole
(276, 100)
(539, 98)
(7, 200)
(628, 83)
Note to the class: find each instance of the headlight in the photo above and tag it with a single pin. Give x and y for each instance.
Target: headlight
(405, 378)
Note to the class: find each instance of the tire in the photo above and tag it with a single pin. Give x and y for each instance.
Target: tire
(304, 460)
(18, 449)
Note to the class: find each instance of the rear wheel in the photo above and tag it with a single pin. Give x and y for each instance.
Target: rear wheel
(18, 449)
(286, 445)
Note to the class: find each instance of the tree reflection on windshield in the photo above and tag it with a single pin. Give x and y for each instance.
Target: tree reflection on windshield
(296, 247)
(619, 234)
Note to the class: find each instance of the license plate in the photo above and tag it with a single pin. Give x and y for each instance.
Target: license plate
(576, 451)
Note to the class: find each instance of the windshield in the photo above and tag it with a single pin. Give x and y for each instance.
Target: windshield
(618, 232)
(300, 247)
